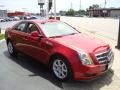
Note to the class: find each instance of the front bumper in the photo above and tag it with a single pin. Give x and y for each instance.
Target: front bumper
(91, 72)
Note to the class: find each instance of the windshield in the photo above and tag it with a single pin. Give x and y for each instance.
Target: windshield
(53, 29)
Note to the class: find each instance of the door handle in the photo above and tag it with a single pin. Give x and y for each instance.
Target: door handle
(25, 38)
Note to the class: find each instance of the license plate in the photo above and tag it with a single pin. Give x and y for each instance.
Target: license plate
(110, 64)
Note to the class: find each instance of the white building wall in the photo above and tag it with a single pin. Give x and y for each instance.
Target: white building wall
(115, 13)
(3, 13)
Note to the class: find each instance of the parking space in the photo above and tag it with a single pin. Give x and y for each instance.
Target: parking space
(23, 73)
(5, 25)
(106, 27)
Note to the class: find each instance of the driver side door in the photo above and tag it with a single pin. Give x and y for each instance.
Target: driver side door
(35, 45)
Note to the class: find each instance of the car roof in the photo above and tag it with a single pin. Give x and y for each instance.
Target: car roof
(41, 21)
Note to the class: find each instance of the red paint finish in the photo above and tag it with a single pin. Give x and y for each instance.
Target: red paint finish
(43, 48)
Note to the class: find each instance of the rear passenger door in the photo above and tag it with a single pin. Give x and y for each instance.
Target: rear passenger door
(19, 34)
(32, 44)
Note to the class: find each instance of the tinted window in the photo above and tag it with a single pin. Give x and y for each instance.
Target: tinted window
(21, 27)
(31, 28)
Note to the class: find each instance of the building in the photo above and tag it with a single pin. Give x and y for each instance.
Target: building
(104, 12)
(17, 13)
(3, 13)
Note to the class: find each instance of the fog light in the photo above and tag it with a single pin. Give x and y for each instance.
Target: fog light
(89, 75)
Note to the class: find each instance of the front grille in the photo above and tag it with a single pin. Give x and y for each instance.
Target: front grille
(104, 57)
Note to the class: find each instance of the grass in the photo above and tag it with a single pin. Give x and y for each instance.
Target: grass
(2, 36)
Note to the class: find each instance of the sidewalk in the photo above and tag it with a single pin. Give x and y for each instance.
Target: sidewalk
(2, 31)
(105, 27)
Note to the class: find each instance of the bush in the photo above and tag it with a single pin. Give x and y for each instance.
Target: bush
(70, 12)
(2, 36)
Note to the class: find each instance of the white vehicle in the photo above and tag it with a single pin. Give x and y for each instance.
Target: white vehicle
(16, 18)
(2, 20)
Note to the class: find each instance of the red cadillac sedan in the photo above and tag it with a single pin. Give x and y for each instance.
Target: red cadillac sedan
(69, 53)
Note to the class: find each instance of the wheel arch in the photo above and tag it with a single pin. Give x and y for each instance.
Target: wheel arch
(65, 59)
(7, 40)
(57, 55)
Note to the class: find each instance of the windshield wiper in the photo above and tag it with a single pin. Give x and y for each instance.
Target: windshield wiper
(62, 35)
(55, 36)
(72, 33)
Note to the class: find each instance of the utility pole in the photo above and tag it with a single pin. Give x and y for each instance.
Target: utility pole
(80, 4)
(47, 9)
(41, 3)
(54, 9)
(71, 6)
(105, 4)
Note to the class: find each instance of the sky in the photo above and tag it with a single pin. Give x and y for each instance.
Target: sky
(32, 5)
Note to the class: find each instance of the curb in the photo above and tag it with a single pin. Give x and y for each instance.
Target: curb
(2, 41)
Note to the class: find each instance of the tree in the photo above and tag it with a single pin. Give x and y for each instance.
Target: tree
(70, 12)
(62, 13)
(81, 12)
(94, 6)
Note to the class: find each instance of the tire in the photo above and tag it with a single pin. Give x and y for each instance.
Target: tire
(11, 49)
(61, 69)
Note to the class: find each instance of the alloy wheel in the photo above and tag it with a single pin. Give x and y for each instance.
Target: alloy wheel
(60, 69)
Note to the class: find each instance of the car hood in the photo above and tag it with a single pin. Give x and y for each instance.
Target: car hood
(80, 42)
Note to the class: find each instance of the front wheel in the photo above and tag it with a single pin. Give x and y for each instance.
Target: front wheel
(61, 69)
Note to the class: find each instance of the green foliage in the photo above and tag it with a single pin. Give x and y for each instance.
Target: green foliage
(2, 36)
(70, 12)
(81, 12)
(94, 6)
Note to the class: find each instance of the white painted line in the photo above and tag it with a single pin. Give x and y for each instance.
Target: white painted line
(2, 40)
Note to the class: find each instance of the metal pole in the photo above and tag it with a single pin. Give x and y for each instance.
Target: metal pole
(55, 9)
(47, 10)
(40, 10)
(0, 30)
(71, 7)
(105, 4)
(80, 4)
(118, 43)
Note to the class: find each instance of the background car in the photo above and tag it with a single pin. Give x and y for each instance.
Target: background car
(29, 17)
(2, 20)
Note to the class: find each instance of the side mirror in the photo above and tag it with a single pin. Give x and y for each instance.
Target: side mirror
(36, 34)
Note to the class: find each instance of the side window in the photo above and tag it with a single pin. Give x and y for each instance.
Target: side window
(21, 27)
(31, 28)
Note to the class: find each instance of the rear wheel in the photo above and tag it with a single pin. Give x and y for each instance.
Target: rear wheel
(11, 49)
(61, 69)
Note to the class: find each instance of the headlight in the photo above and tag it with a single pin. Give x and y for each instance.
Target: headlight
(85, 58)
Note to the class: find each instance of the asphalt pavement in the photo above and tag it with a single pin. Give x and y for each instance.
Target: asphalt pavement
(4, 25)
(24, 73)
